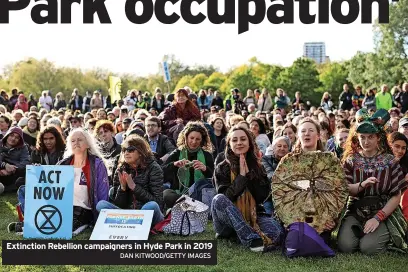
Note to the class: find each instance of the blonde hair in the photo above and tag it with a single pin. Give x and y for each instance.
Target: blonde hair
(93, 147)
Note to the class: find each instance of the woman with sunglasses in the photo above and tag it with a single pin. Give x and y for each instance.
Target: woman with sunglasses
(189, 167)
(138, 181)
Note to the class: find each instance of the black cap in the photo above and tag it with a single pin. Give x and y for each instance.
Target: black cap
(127, 120)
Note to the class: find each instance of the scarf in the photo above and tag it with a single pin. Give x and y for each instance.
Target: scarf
(32, 134)
(184, 172)
(247, 206)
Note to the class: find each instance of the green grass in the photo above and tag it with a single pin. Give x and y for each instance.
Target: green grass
(231, 256)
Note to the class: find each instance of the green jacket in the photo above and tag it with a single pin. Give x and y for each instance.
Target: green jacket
(383, 101)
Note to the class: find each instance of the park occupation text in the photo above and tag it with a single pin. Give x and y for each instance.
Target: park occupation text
(276, 11)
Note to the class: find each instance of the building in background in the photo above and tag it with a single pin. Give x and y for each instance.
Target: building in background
(315, 51)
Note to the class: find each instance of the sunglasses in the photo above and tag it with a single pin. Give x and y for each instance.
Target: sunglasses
(129, 149)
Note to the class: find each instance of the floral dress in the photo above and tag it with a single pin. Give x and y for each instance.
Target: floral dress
(373, 198)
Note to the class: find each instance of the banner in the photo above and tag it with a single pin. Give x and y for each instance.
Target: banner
(115, 85)
(123, 225)
(166, 72)
(49, 197)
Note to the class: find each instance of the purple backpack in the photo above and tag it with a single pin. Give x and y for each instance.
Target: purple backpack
(303, 241)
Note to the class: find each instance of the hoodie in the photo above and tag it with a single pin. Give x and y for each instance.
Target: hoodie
(21, 105)
(17, 155)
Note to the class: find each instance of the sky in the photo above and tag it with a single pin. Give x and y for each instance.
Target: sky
(124, 47)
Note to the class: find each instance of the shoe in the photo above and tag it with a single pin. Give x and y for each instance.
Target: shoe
(257, 245)
(16, 227)
(1, 188)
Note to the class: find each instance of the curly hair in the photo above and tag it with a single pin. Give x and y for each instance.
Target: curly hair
(141, 146)
(252, 156)
(59, 140)
(261, 125)
(298, 145)
(199, 127)
(352, 145)
(106, 124)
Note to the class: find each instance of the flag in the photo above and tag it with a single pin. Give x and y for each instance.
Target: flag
(115, 84)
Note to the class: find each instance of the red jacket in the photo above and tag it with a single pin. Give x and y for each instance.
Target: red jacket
(169, 116)
(21, 105)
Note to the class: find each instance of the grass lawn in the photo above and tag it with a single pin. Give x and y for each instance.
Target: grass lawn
(231, 256)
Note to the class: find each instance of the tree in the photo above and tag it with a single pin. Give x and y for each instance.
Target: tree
(333, 76)
(241, 78)
(184, 81)
(215, 80)
(302, 76)
(197, 82)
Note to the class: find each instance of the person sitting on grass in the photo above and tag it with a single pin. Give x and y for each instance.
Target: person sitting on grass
(374, 221)
(243, 186)
(191, 165)
(138, 181)
(14, 157)
(90, 174)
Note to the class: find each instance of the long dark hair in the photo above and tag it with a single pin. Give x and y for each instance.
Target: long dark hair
(224, 130)
(59, 140)
(262, 129)
(252, 156)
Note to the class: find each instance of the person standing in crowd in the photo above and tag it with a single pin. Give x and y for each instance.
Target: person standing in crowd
(264, 101)
(202, 101)
(281, 101)
(13, 99)
(96, 101)
(158, 102)
(297, 102)
(59, 101)
(369, 101)
(130, 100)
(346, 98)
(373, 220)
(76, 101)
(249, 98)
(31, 101)
(21, 103)
(176, 116)
(242, 186)
(326, 103)
(190, 166)
(46, 101)
(217, 100)
(91, 183)
(383, 99)
(357, 99)
(402, 98)
(160, 144)
(3, 98)
(138, 181)
(30, 132)
(86, 102)
(14, 157)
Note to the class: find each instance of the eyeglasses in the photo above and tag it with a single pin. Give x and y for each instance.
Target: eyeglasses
(129, 149)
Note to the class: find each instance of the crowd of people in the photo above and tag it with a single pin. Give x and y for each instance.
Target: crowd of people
(127, 154)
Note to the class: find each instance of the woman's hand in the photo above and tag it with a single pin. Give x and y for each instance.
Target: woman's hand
(181, 163)
(122, 180)
(199, 166)
(243, 167)
(129, 181)
(369, 182)
(371, 225)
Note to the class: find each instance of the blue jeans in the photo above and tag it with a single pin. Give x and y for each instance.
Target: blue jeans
(268, 205)
(149, 206)
(21, 197)
(228, 220)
